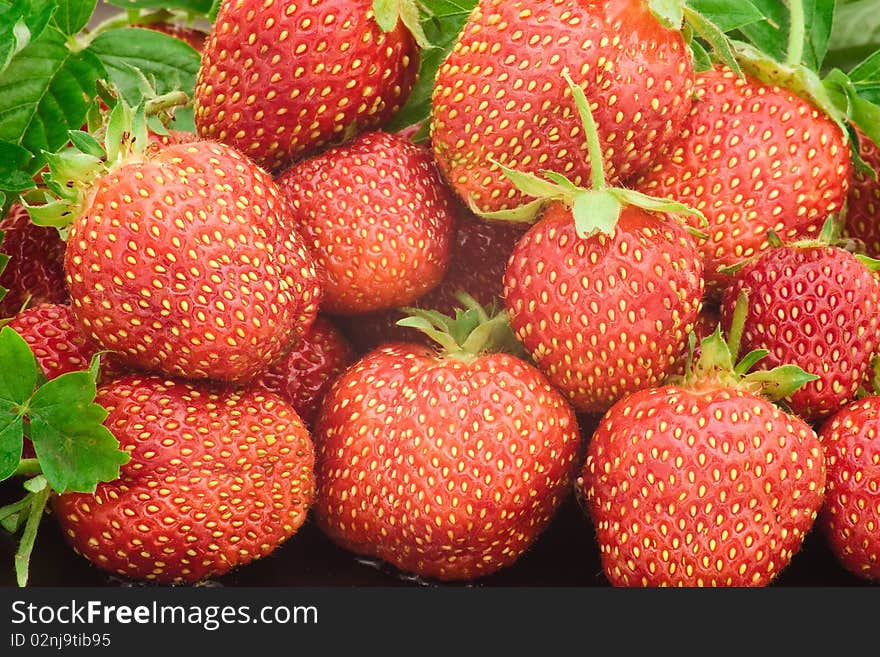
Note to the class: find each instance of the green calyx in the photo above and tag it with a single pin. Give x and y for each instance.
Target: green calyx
(74, 450)
(595, 210)
(72, 171)
(408, 12)
(719, 363)
(472, 332)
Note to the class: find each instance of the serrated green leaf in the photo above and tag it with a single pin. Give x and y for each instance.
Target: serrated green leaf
(131, 54)
(727, 15)
(595, 211)
(44, 93)
(11, 441)
(780, 382)
(76, 451)
(201, 7)
(73, 15)
(19, 367)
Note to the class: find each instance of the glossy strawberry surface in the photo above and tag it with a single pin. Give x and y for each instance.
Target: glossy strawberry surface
(217, 478)
(187, 263)
(280, 80)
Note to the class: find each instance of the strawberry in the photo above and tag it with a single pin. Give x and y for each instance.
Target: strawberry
(51, 332)
(186, 261)
(863, 202)
(816, 305)
(303, 376)
(476, 266)
(499, 97)
(378, 220)
(702, 482)
(35, 271)
(279, 81)
(753, 157)
(218, 477)
(850, 516)
(446, 465)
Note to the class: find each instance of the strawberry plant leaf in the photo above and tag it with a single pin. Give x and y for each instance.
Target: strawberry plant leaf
(11, 442)
(73, 15)
(442, 20)
(192, 6)
(13, 160)
(132, 54)
(727, 15)
(44, 93)
(769, 35)
(75, 449)
(21, 22)
(20, 369)
(855, 34)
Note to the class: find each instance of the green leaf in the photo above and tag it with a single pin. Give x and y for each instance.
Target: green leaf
(11, 441)
(718, 42)
(75, 449)
(748, 361)
(201, 7)
(73, 15)
(819, 18)
(769, 35)
(780, 382)
(727, 15)
(855, 34)
(22, 21)
(19, 367)
(134, 56)
(13, 163)
(595, 211)
(442, 22)
(44, 93)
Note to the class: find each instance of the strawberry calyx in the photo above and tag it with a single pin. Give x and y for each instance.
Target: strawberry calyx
(595, 209)
(719, 364)
(408, 12)
(475, 330)
(74, 451)
(67, 182)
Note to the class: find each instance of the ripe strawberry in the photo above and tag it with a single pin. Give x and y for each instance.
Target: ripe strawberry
(863, 202)
(814, 305)
(56, 341)
(35, 271)
(499, 96)
(604, 315)
(217, 478)
(444, 465)
(753, 157)
(279, 81)
(701, 483)
(476, 266)
(186, 262)
(377, 218)
(303, 376)
(850, 516)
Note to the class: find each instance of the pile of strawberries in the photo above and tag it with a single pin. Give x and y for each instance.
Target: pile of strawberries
(304, 316)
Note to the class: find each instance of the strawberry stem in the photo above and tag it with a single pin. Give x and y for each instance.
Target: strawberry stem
(796, 33)
(29, 536)
(28, 468)
(594, 146)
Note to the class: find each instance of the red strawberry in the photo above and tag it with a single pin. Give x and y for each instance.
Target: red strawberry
(850, 516)
(378, 220)
(279, 81)
(753, 157)
(816, 306)
(499, 94)
(55, 339)
(604, 315)
(186, 262)
(863, 202)
(444, 466)
(479, 256)
(304, 374)
(217, 478)
(35, 271)
(702, 483)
